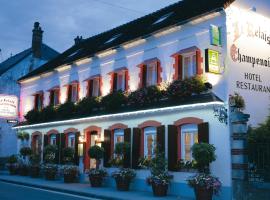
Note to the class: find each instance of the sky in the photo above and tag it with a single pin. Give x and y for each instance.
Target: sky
(63, 20)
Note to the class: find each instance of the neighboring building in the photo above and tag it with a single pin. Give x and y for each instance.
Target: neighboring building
(13, 69)
(224, 40)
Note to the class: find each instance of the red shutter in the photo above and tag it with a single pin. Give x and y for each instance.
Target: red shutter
(69, 92)
(161, 139)
(90, 88)
(114, 82)
(126, 80)
(76, 156)
(63, 145)
(127, 138)
(203, 132)
(45, 143)
(172, 147)
(199, 62)
(136, 146)
(107, 147)
(159, 70)
(144, 78)
(180, 67)
(57, 157)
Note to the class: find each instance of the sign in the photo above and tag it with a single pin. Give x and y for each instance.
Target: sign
(12, 121)
(212, 63)
(215, 35)
(8, 106)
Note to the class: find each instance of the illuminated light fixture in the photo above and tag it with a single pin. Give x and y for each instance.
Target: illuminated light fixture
(134, 43)
(107, 63)
(106, 53)
(30, 79)
(81, 139)
(80, 150)
(168, 43)
(204, 18)
(83, 61)
(63, 68)
(135, 54)
(126, 114)
(167, 31)
(46, 74)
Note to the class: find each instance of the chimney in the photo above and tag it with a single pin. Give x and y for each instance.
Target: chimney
(37, 40)
(78, 39)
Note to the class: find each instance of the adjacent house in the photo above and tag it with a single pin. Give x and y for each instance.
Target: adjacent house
(226, 42)
(13, 69)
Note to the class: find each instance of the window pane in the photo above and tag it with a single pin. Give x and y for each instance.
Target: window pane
(95, 91)
(149, 141)
(188, 146)
(151, 74)
(189, 135)
(189, 66)
(120, 81)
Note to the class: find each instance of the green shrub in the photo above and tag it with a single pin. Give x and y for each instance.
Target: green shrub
(237, 101)
(48, 114)
(203, 154)
(34, 159)
(25, 151)
(113, 101)
(96, 152)
(33, 116)
(12, 159)
(50, 153)
(66, 111)
(122, 148)
(21, 135)
(68, 154)
(86, 105)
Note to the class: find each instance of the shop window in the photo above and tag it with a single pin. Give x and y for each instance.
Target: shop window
(189, 136)
(73, 92)
(189, 65)
(150, 140)
(94, 87)
(71, 140)
(38, 101)
(54, 97)
(53, 139)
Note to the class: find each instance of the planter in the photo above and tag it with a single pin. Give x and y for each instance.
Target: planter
(50, 175)
(69, 178)
(34, 171)
(159, 190)
(13, 170)
(122, 184)
(203, 193)
(96, 181)
(23, 171)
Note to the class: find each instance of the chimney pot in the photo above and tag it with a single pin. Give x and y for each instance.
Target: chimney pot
(37, 40)
(78, 39)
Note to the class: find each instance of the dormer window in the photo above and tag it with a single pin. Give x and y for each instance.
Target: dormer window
(73, 92)
(94, 86)
(150, 73)
(54, 96)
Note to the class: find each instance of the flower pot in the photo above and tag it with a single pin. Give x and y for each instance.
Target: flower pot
(69, 178)
(13, 170)
(96, 181)
(50, 175)
(202, 193)
(34, 171)
(159, 190)
(122, 184)
(23, 171)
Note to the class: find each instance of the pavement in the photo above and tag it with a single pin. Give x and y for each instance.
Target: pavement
(81, 189)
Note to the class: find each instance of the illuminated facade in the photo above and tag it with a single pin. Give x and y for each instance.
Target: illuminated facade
(218, 44)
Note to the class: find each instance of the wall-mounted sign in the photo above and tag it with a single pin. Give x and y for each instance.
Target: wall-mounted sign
(212, 63)
(215, 35)
(8, 106)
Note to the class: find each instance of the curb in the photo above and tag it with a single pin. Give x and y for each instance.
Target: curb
(84, 194)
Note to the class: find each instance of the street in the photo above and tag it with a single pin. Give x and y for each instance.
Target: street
(10, 191)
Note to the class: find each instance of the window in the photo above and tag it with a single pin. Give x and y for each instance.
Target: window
(189, 136)
(71, 140)
(118, 136)
(189, 65)
(150, 139)
(38, 101)
(94, 87)
(54, 97)
(73, 92)
(119, 80)
(151, 74)
(53, 139)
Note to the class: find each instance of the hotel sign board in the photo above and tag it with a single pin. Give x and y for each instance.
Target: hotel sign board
(212, 63)
(8, 106)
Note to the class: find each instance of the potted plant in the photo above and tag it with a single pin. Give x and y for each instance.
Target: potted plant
(96, 175)
(123, 176)
(160, 178)
(68, 155)
(237, 102)
(25, 152)
(205, 185)
(50, 169)
(203, 154)
(12, 164)
(70, 173)
(34, 165)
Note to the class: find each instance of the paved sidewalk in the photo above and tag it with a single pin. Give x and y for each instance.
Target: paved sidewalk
(84, 189)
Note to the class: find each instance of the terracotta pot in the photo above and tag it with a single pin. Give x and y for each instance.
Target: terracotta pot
(159, 190)
(203, 193)
(122, 184)
(50, 176)
(34, 171)
(96, 181)
(69, 178)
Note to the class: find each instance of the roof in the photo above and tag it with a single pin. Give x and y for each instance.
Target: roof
(174, 14)
(47, 54)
